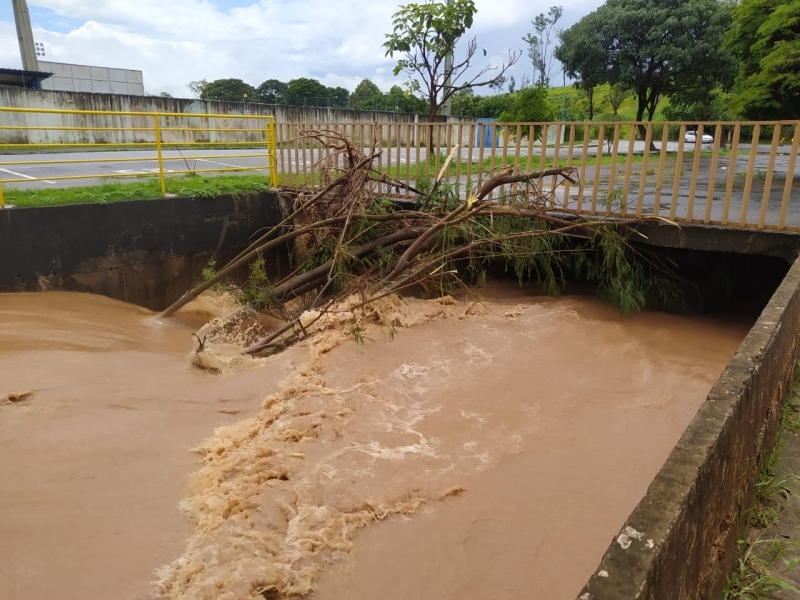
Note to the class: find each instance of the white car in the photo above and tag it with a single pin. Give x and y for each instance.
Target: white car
(691, 138)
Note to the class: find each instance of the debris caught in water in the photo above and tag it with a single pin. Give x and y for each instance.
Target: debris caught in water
(15, 397)
(347, 239)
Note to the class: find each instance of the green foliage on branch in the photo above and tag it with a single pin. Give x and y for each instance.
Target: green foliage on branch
(655, 48)
(424, 35)
(530, 105)
(765, 37)
(539, 44)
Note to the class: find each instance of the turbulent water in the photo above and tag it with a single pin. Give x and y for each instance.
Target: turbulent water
(487, 450)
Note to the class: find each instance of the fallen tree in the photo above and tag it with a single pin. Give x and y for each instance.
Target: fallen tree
(348, 238)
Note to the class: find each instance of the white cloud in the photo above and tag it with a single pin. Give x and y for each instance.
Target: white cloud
(177, 41)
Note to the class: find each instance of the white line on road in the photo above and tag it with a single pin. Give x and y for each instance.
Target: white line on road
(213, 162)
(132, 172)
(26, 176)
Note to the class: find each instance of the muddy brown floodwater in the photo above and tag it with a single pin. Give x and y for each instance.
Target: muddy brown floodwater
(488, 450)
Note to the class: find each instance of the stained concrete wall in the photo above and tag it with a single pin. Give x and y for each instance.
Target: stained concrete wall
(146, 252)
(24, 98)
(680, 541)
(720, 239)
(84, 78)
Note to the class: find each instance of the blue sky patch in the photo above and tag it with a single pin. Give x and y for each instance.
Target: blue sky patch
(51, 20)
(42, 17)
(227, 5)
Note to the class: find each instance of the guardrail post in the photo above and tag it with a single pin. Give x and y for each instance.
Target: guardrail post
(272, 152)
(157, 131)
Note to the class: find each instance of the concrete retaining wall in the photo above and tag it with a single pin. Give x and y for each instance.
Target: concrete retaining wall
(20, 97)
(680, 541)
(146, 252)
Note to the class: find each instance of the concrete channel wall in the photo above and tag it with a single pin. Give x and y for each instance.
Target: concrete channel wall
(146, 252)
(50, 100)
(680, 541)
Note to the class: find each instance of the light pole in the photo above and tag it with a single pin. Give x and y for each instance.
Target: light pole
(27, 51)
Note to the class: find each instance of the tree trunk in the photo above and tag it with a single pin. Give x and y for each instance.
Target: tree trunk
(640, 116)
(432, 108)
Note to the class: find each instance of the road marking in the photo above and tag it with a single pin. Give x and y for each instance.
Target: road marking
(213, 162)
(131, 171)
(27, 176)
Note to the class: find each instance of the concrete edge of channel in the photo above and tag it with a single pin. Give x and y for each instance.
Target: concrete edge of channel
(713, 238)
(680, 540)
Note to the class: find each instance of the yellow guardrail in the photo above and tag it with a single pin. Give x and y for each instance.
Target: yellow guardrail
(733, 174)
(164, 134)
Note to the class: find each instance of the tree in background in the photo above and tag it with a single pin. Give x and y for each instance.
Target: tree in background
(398, 100)
(584, 58)
(306, 92)
(576, 107)
(530, 105)
(228, 90)
(338, 97)
(617, 94)
(271, 91)
(539, 44)
(465, 104)
(656, 48)
(366, 96)
(716, 107)
(588, 94)
(424, 35)
(608, 129)
(765, 37)
(511, 84)
(196, 87)
(493, 107)
(498, 84)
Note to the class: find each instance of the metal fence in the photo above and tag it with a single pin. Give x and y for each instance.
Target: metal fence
(733, 174)
(148, 143)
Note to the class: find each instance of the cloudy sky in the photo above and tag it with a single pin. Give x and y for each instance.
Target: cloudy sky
(177, 41)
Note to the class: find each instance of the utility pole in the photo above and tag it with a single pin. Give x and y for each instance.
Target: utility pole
(25, 35)
(448, 67)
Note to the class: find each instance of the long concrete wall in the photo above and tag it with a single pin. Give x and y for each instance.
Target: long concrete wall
(680, 541)
(146, 252)
(52, 100)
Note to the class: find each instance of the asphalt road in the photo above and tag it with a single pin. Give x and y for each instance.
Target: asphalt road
(131, 164)
(137, 163)
(127, 164)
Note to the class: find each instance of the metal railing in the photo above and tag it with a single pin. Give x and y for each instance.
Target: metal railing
(745, 176)
(150, 139)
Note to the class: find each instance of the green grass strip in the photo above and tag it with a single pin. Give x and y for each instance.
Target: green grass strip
(192, 186)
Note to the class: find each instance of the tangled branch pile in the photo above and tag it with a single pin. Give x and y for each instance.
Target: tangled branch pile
(349, 240)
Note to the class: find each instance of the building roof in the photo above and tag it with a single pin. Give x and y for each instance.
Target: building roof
(20, 77)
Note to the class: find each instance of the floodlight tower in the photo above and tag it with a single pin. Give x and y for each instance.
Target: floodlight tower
(25, 35)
